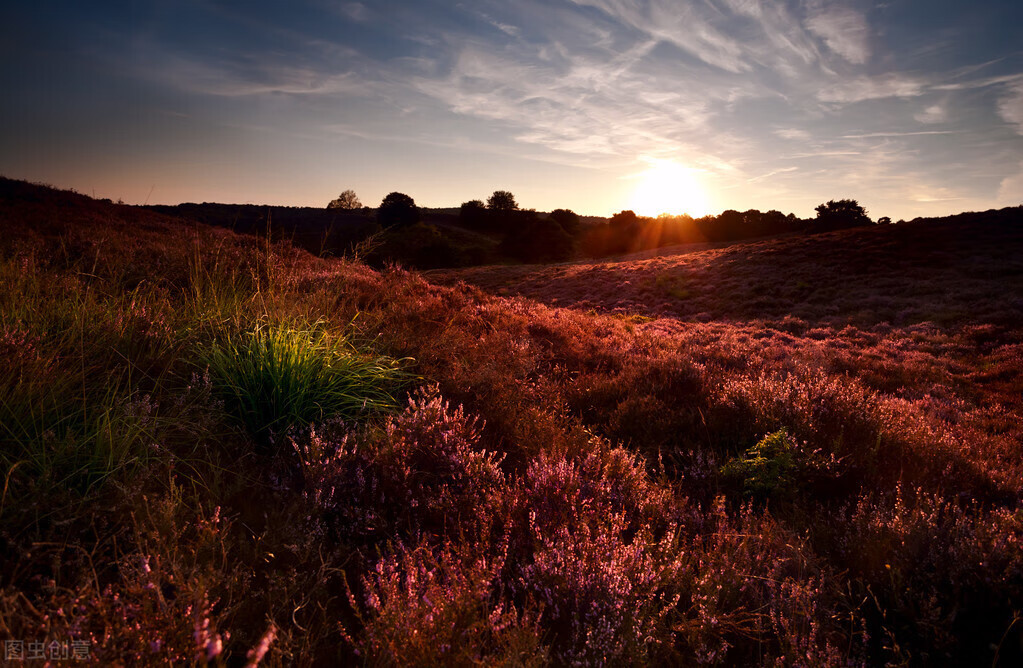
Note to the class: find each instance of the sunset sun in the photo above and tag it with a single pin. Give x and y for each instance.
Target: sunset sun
(668, 187)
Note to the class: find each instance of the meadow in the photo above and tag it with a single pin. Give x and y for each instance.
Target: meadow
(218, 448)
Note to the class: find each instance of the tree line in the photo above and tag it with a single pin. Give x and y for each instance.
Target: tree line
(528, 236)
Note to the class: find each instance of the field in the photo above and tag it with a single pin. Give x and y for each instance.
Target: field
(797, 451)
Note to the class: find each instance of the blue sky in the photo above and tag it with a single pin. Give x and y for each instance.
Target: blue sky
(913, 107)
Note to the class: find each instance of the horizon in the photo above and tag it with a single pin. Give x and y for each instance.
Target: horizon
(597, 106)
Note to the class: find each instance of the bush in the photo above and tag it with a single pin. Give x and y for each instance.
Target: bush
(767, 468)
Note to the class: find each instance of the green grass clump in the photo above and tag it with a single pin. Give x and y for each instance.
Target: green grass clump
(767, 468)
(274, 377)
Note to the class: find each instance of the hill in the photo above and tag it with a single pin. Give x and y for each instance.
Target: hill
(222, 448)
(936, 270)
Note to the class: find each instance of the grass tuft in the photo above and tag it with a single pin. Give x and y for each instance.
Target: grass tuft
(275, 377)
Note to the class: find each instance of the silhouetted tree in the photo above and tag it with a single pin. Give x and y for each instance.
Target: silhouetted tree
(841, 213)
(347, 201)
(624, 220)
(730, 225)
(884, 220)
(624, 228)
(568, 220)
(473, 214)
(397, 210)
(502, 200)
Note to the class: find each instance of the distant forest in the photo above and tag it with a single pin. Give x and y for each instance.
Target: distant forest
(498, 231)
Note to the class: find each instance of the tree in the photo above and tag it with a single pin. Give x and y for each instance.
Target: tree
(347, 201)
(841, 213)
(625, 221)
(473, 214)
(884, 220)
(397, 210)
(567, 218)
(502, 200)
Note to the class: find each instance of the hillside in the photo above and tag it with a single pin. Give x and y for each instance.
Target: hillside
(937, 271)
(217, 448)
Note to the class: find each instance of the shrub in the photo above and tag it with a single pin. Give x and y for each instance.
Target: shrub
(767, 468)
(424, 474)
(436, 606)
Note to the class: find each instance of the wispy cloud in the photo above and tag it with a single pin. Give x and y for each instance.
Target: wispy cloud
(924, 133)
(1010, 106)
(980, 83)
(574, 97)
(771, 173)
(772, 99)
(793, 134)
(356, 11)
(864, 88)
(249, 77)
(687, 26)
(844, 30)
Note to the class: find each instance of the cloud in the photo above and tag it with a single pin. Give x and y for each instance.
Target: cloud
(873, 135)
(356, 11)
(249, 77)
(1010, 106)
(506, 28)
(775, 172)
(736, 36)
(872, 88)
(935, 113)
(716, 84)
(980, 83)
(844, 30)
(576, 106)
(793, 134)
(683, 25)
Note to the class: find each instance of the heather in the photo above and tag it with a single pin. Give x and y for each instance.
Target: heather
(220, 448)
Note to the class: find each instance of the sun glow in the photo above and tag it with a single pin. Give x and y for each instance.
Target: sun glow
(668, 187)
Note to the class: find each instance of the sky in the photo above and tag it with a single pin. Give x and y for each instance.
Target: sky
(911, 107)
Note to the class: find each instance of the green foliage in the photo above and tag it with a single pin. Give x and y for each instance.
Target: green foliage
(274, 377)
(767, 468)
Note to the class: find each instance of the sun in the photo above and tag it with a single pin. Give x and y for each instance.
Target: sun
(668, 187)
